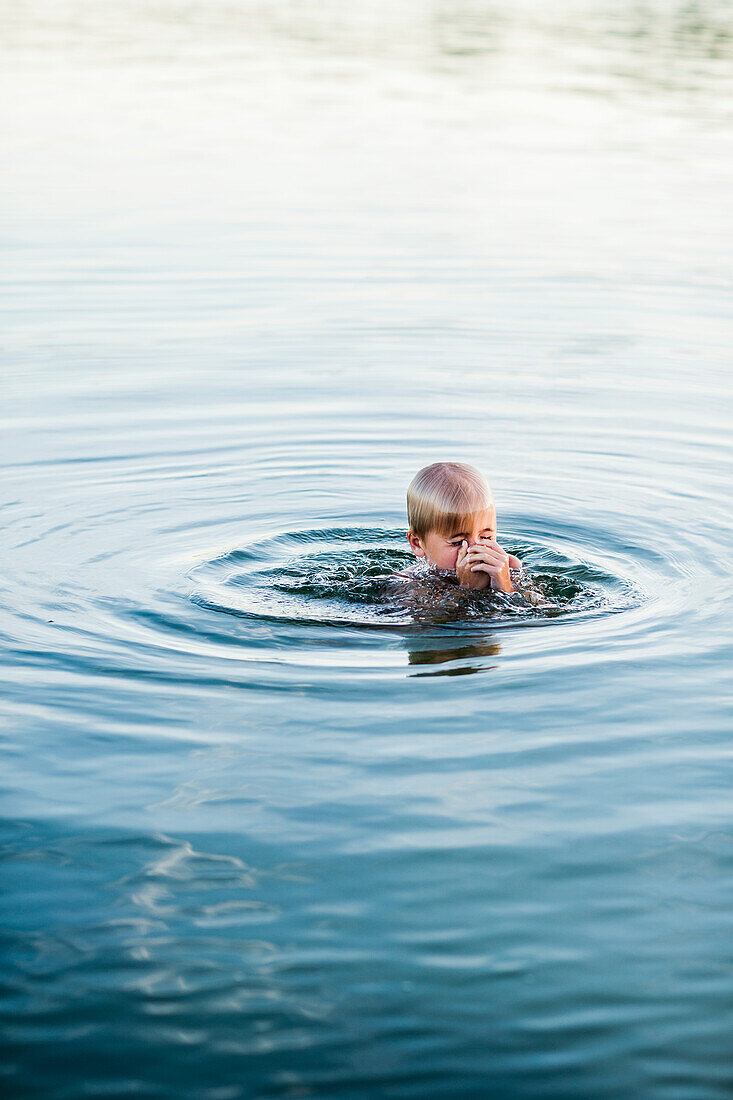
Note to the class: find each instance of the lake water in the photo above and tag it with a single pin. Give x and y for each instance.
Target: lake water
(261, 262)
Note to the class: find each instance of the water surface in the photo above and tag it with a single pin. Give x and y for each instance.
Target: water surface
(262, 835)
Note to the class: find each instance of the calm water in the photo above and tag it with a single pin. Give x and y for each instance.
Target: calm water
(264, 837)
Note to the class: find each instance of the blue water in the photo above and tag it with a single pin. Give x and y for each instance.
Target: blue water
(263, 834)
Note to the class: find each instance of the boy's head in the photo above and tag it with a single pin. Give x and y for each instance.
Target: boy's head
(448, 503)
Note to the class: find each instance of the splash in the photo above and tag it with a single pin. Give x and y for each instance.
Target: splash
(363, 577)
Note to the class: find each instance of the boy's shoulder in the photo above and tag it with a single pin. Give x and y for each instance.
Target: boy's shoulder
(418, 574)
(409, 573)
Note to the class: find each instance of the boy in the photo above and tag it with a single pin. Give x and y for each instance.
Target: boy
(452, 517)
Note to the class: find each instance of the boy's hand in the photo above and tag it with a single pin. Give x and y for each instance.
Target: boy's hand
(466, 577)
(488, 559)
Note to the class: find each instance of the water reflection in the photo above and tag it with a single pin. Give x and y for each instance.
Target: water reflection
(451, 658)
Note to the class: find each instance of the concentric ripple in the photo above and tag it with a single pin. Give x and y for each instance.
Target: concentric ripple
(363, 577)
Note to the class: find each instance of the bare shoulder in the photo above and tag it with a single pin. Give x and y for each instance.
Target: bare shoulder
(409, 573)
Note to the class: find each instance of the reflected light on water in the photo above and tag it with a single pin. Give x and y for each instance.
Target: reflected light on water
(261, 262)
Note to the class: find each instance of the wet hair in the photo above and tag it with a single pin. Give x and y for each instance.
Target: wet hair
(444, 496)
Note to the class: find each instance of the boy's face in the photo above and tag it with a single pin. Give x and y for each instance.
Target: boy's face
(442, 550)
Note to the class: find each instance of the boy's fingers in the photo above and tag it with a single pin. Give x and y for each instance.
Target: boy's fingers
(492, 544)
(486, 554)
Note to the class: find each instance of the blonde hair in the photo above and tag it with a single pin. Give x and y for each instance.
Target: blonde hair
(443, 496)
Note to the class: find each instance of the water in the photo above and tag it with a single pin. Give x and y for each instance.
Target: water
(265, 834)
